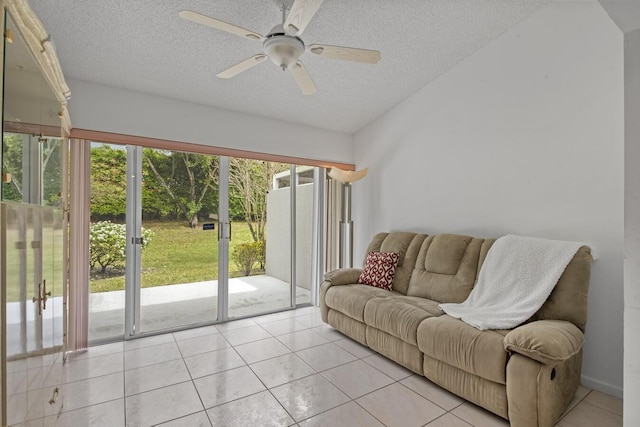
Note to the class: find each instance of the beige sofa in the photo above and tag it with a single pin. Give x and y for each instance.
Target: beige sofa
(527, 375)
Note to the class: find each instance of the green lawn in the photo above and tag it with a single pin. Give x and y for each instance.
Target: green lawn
(178, 254)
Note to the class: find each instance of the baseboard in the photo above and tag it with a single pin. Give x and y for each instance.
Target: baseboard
(601, 386)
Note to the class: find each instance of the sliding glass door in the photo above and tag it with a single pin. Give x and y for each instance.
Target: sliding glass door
(178, 239)
(192, 239)
(153, 240)
(305, 205)
(260, 241)
(107, 240)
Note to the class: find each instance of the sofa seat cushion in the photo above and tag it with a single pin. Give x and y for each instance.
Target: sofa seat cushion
(400, 316)
(454, 342)
(352, 299)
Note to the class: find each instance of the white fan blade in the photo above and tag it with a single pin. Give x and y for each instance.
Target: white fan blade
(345, 53)
(243, 66)
(301, 13)
(303, 79)
(219, 25)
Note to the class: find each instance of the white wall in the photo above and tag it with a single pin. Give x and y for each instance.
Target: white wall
(107, 109)
(526, 137)
(279, 234)
(632, 230)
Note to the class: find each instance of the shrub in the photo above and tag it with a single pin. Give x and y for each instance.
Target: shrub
(261, 247)
(107, 243)
(246, 255)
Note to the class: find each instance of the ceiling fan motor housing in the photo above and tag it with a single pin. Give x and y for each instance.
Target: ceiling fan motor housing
(283, 49)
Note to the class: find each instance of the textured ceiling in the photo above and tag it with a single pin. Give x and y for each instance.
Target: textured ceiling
(625, 13)
(144, 45)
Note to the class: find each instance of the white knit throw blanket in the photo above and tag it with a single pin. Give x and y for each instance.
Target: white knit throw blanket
(516, 278)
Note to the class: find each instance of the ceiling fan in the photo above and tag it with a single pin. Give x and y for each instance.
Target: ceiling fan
(283, 44)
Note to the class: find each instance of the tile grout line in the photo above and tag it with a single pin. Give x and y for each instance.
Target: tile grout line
(429, 400)
(179, 418)
(313, 328)
(445, 414)
(367, 411)
(193, 383)
(79, 409)
(269, 390)
(582, 401)
(124, 386)
(161, 387)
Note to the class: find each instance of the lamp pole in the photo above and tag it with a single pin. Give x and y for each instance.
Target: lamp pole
(346, 229)
(345, 253)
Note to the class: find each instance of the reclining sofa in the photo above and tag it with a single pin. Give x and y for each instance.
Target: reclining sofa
(527, 375)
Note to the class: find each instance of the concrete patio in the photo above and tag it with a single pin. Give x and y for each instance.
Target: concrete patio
(171, 306)
(163, 307)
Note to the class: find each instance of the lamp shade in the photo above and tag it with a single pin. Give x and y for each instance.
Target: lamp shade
(346, 177)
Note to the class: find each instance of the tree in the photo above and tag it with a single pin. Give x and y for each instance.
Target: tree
(108, 182)
(190, 182)
(187, 179)
(12, 163)
(50, 166)
(249, 183)
(52, 174)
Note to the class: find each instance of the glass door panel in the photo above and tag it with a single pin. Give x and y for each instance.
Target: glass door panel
(16, 167)
(304, 232)
(107, 240)
(17, 285)
(260, 238)
(179, 239)
(27, 246)
(31, 187)
(22, 333)
(47, 280)
(58, 278)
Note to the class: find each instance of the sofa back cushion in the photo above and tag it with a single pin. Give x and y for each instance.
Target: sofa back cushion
(568, 300)
(446, 267)
(404, 243)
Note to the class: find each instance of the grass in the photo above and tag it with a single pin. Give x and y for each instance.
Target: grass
(178, 254)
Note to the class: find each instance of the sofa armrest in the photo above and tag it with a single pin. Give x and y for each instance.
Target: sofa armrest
(343, 276)
(549, 342)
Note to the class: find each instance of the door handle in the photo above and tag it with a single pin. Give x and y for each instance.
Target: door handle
(221, 228)
(41, 297)
(38, 299)
(45, 294)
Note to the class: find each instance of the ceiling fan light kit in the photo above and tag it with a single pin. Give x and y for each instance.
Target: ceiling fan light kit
(284, 46)
(284, 50)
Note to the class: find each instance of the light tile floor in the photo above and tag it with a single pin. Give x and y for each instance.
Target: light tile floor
(284, 369)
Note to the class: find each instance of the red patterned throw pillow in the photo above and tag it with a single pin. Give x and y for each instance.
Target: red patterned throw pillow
(379, 269)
